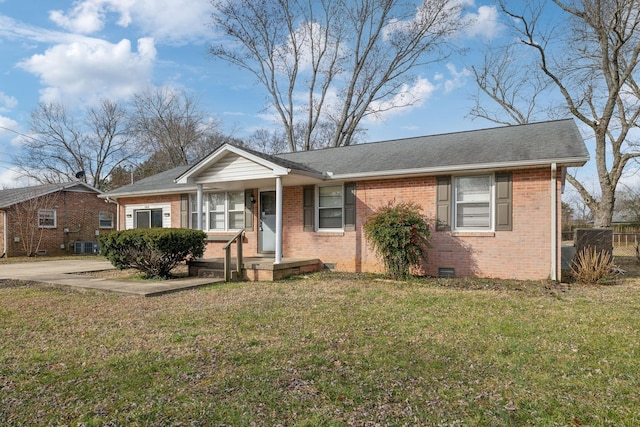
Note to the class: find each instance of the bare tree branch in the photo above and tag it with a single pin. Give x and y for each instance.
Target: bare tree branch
(303, 51)
(594, 72)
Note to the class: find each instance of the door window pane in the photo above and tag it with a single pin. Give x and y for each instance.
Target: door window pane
(156, 218)
(143, 219)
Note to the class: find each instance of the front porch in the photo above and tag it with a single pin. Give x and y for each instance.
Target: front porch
(255, 268)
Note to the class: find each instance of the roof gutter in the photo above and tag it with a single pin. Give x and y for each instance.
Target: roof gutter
(571, 161)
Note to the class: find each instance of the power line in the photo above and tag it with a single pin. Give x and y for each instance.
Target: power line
(22, 134)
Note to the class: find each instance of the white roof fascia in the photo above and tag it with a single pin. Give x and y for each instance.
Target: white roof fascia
(573, 161)
(159, 192)
(187, 177)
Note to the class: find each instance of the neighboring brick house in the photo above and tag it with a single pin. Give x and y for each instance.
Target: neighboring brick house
(495, 195)
(53, 219)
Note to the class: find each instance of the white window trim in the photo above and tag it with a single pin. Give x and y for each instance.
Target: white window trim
(131, 209)
(42, 215)
(318, 208)
(492, 200)
(206, 212)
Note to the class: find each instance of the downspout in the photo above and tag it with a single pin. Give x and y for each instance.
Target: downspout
(4, 234)
(278, 254)
(117, 203)
(554, 223)
(199, 206)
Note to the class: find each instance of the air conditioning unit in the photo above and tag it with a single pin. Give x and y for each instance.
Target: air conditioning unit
(86, 248)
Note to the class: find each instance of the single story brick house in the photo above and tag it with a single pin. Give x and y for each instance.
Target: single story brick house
(495, 195)
(53, 219)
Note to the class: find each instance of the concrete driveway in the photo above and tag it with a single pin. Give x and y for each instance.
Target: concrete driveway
(64, 273)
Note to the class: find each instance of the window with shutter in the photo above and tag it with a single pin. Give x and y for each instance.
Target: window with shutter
(308, 208)
(443, 203)
(504, 204)
(350, 206)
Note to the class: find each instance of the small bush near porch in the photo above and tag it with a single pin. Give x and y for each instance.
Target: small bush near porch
(154, 251)
(326, 350)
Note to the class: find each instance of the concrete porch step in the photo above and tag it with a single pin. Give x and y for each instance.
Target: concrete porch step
(216, 273)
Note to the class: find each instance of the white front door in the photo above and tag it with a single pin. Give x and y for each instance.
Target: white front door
(267, 237)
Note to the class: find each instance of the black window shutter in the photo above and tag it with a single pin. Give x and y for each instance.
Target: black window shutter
(443, 203)
(308, 203)
(248, 210)
(184, 211)
(350, 206)
(504, 202)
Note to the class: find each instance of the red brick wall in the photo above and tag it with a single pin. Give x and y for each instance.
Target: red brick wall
(77, 212)
(523, 253)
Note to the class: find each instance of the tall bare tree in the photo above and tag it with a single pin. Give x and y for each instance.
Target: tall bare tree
(172, 125)
(61, 148)
(333, 62)
(590, 61)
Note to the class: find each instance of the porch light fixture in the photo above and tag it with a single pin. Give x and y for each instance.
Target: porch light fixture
(252, 199)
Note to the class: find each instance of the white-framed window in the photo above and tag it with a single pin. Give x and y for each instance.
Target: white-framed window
(330, 207)
(221, 211)
(472, 202)
(47, 218)
(105, 219)
(148, 218)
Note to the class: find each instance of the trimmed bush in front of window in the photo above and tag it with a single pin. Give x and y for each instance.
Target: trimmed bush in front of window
(400, 235)
(154, 251)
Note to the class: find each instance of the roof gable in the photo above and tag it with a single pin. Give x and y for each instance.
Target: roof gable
(226, 163)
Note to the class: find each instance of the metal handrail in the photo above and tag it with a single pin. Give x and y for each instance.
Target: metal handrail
(227, 256)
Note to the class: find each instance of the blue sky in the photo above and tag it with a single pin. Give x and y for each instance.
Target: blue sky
(77, 52)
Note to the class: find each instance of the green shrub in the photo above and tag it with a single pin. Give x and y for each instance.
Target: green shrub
(400, 235)
(591, 266)
(154, 251)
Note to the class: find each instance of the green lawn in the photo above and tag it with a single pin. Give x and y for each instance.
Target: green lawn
(325, 350)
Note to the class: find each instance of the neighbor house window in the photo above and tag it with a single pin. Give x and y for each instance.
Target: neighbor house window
(330, 207)
(105, 219)
(221, 211)
(47, 218)
(472, 202)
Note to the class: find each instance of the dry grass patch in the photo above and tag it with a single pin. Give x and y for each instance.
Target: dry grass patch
(324, 350)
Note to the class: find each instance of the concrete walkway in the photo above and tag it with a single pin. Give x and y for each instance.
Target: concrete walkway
(64, 273)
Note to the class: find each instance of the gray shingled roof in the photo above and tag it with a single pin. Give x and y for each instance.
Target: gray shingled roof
(12, 196)
(161, 182)
(539, 142)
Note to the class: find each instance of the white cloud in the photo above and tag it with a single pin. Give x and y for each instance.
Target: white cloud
(7, 102)
(10, 178)
(484, 23)
(8, 125)
(92, 69)
(407, 98)
(457, 80)
(170, 21)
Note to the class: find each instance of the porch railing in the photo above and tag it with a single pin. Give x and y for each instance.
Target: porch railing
(227, 256)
